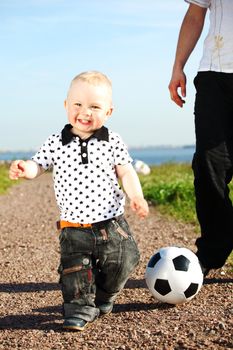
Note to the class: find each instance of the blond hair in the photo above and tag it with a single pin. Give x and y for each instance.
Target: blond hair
(93, 78)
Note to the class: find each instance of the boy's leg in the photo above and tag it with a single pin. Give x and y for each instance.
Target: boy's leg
(213, 166)
(78, 284)
(118, 256)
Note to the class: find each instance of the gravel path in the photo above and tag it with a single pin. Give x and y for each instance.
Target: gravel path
(30, 303)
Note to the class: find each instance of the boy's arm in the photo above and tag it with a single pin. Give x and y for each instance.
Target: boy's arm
(190, 32)
(133, 189)
(24, 169)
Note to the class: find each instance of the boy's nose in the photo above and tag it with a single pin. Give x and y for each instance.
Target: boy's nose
(85, 111)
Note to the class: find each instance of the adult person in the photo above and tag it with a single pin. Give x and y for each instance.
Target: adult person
(213, 159)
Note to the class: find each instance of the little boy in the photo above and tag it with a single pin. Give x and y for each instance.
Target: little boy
(98, 251)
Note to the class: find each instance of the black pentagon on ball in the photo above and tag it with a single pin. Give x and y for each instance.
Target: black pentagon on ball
(162, 286)
(154, 259)
(181, 263)
(191, 290)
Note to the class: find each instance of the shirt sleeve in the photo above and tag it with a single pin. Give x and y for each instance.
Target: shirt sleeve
(44, 157)
(121, 154)
(201, 3)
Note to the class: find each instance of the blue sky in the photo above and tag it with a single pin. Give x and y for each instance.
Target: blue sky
(45, 43)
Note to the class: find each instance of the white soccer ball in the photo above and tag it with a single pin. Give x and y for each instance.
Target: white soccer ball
(174, 275)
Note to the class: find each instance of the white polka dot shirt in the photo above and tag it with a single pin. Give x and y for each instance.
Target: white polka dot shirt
(85, 182)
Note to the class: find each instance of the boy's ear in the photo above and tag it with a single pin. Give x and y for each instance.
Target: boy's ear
(65, 104)
(109, 112)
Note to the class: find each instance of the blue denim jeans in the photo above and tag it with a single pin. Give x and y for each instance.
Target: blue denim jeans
(95, 265)
(213, 166)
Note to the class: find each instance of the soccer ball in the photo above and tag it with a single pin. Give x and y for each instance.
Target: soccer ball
(174, 275)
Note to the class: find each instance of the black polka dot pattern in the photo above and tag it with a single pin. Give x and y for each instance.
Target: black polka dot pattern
(85, 182)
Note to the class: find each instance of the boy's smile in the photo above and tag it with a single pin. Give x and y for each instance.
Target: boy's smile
(88, 106)
(84, 122)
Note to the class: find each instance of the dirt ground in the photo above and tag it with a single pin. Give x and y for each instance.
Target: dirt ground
(30, 302)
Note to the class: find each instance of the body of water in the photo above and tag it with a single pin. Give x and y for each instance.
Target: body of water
(157, 155)
(149, 155)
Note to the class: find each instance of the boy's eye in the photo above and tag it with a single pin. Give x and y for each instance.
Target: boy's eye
(78, 104)
(95, 107)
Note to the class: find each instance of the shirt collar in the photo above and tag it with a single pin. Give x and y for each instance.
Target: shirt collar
(67, 136)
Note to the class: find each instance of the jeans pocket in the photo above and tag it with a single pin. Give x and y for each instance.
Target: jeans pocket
(120, 230)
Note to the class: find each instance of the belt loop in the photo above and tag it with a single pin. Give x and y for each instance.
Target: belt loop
(104, 234)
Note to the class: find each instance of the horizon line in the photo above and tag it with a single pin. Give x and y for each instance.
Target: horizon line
(28, 150)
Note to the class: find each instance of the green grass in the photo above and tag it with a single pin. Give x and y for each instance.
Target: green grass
(5, 182)
(170, 188)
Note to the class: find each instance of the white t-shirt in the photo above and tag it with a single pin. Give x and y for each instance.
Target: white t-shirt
(218, 45)
(85, 180)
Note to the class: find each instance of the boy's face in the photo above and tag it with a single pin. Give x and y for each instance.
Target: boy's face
(88, 107)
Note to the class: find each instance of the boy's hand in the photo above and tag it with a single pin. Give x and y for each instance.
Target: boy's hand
(17, 169)
(140, 206)
(27, 169)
